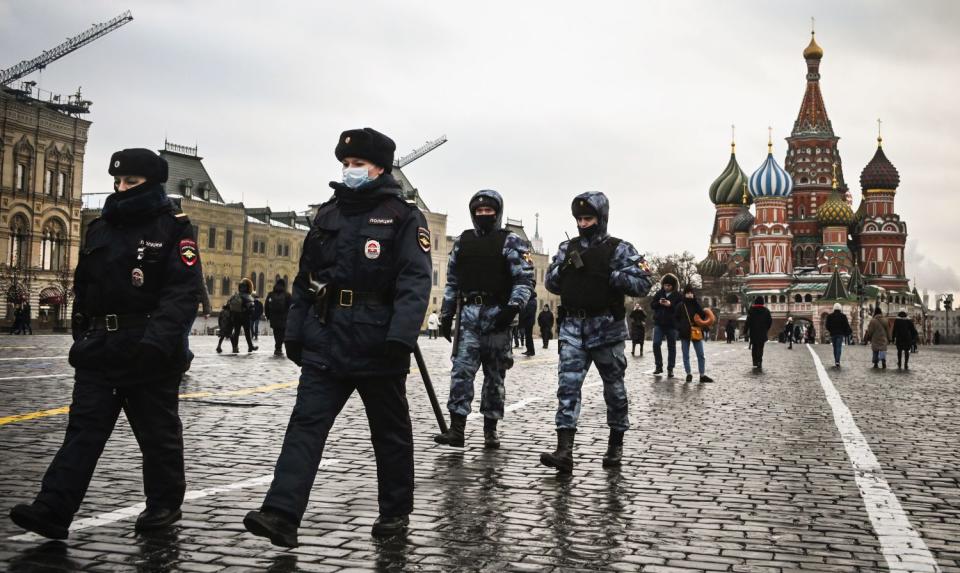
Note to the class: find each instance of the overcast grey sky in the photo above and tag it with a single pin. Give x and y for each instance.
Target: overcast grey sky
(539, 100)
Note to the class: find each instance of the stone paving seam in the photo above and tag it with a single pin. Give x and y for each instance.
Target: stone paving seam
(901, 544)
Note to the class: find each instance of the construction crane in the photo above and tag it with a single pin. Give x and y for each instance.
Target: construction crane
(420, 151)
(96, 31)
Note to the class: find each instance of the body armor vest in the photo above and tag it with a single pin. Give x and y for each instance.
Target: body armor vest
(588, 288)
(481, 266)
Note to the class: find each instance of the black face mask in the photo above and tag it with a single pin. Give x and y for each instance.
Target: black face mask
(485, 223)
(588, 232)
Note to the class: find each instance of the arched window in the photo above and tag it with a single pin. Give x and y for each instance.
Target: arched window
(808, 298)
(53, 250)
(19, 240)
(275, 279)
(225, 286)
(797, 298)
(286, 280)
(260, 284)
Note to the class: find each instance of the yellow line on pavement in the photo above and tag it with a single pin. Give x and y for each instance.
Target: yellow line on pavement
(186, 396)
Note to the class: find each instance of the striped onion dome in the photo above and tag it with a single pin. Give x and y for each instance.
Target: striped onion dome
(835, 212)
(743, 221)
(770, 180)
(711, 267)
(725, 190)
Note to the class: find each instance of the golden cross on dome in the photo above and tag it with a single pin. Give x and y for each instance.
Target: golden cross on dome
(834, 175)
(813, 25)
(769, 139)
(733, 137)
(879, 134)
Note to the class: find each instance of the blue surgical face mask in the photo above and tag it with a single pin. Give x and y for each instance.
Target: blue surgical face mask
(354, 177)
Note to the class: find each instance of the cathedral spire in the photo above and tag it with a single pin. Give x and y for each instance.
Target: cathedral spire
(812, 119)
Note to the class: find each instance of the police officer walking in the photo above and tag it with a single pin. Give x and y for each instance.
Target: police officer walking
(358, 301)
(137, 290)
(592, 273)
(489, 279)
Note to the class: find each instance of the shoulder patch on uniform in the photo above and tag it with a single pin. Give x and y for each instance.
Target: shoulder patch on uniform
(423, 239)
(188, 252)
(527, 257)
(642, 263)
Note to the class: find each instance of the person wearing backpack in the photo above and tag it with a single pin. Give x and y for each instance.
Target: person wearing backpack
(277, 307)
(691, 319)
(225, 326)
(255, 315)
(241, 310)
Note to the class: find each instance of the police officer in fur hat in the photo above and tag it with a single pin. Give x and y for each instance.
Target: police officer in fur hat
(489, 279)
(137, 287)
(592, 274)
(358, 301)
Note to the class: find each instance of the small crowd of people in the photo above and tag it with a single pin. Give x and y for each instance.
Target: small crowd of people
(243, 311)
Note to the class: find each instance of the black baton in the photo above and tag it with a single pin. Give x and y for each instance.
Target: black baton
(441, 419)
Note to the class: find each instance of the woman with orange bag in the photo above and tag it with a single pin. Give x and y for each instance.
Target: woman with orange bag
(692, 319)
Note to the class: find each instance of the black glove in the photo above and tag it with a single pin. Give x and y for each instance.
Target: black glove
(294, 351)
(396, 351)
(148, 356)
(446, 328)
(78, 325)
(507, 313)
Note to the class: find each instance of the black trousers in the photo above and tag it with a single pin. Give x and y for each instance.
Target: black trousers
(528, 339)
(238, 323)
(757, 350)
(903, 355)
(151, 410)
(279, 332)
(320, 397)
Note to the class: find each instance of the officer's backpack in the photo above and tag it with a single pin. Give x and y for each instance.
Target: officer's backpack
(236, 303)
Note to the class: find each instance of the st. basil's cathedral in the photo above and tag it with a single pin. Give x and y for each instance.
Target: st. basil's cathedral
(805, 248)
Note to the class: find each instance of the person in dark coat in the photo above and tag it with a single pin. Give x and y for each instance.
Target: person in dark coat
(758, 326)
(241, 313)
(545, 321)
(904, 336)
(839, 328)
(731, 330)
(17, 326)
(665, 301)
(528, 318)
(136, 291)
(936, 337)
(256, 314)
(225, 325)
(638, 328)
(359, 298)
(27, 319)
(276, 308)
(788, 333)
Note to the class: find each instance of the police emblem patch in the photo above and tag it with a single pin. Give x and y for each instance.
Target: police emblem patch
(528, 258)
(136, 277)
(423, 239)
(372, 249)
(188, 252)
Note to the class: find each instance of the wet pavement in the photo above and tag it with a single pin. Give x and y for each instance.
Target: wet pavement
(752, 473)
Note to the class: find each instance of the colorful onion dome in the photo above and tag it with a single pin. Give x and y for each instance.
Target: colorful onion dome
(835, 212)
(725, 190)
(770, 180)
(711, 267)
(743, 221)
(879, 173)
(813, 51)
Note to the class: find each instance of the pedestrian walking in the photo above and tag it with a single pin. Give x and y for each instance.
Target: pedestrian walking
(545, 321)
(277, 308)
(758, 326)
(592, 274)
(17, 326)
(904, 335)
(136, 296)
(731, 330)
(359, 298)
(878, 336)
(692, 318)
(528, 318)
(638, 328)
(936, 337)
(489, 279)
(225, 326)
(255, 315)
(839, 329)
(811, 334)
(664, 303)
(788, 332)
(433, 325)
(241, 313)
(26, 319)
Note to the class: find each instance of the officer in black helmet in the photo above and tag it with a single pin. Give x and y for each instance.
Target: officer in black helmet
(358, 302)
(137, 286)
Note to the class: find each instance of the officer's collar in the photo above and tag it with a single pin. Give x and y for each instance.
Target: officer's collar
(140, 202)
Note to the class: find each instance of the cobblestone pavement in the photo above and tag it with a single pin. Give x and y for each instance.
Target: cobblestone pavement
(752, 473)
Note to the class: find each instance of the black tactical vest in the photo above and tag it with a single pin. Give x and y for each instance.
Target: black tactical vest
(588, 288)
(481, 266)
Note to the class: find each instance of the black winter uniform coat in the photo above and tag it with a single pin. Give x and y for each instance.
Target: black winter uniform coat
(139, 258)
(372, 242)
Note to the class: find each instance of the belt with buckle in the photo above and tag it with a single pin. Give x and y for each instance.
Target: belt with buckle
(481, 299)
(114, 322)
(347, 298)
(585, 313)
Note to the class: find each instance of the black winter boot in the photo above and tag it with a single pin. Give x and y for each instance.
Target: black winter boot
(562, 458)
(39, 519)
(454, 436)
(883, 364)
(279, 528)
(614, 454)
(491, 440)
